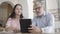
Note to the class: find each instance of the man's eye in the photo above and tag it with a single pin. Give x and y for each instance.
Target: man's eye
(38, 8)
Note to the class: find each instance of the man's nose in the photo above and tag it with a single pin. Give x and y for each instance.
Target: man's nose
(37, 10)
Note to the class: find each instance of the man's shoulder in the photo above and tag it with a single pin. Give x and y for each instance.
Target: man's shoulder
(49, 15)
(35, 16)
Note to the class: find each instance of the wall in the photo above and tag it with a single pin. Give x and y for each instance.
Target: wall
(52, 6)
(27, 8)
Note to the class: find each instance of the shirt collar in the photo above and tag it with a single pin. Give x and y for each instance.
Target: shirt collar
(43, 14)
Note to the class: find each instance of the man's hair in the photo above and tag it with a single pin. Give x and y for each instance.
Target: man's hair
(37, 3)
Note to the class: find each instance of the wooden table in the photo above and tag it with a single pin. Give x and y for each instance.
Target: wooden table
(28, 33)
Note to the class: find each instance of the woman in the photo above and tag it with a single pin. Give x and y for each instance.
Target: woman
(13, 22)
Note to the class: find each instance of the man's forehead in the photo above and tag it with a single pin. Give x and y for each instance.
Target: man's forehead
(38, 5)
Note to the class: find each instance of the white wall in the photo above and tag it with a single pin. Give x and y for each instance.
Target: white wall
(27, 8)
(57, 24)
(24, 7)
(51, 4)
(30, 8)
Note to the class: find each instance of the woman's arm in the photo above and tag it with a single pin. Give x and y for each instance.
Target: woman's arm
(8, 25)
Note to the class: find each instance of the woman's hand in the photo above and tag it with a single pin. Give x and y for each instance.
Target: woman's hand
(9, 29)
(12, 29)
(16, 30)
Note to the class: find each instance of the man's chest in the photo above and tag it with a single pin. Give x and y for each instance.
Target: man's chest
(42, 22)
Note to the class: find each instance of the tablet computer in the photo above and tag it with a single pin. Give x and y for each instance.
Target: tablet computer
(24, 24)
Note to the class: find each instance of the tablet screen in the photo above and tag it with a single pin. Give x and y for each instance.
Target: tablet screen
(24, 24)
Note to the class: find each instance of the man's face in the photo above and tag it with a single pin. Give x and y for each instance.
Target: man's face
(39, 9)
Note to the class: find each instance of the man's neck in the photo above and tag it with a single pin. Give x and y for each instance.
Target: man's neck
(41, 15)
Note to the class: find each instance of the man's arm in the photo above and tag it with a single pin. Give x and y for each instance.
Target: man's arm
(35, 28)
(51, 25)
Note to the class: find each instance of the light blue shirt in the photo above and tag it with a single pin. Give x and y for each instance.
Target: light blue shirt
(46, 21)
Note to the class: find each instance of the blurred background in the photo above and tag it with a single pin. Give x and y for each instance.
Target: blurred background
(52, 6)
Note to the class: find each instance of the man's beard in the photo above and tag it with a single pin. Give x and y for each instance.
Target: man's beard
(39, 14)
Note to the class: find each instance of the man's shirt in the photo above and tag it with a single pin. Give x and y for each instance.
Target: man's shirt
(45, 22)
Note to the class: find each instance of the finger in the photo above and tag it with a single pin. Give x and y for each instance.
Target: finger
(29, 28)
(32, 31)
(30, 25)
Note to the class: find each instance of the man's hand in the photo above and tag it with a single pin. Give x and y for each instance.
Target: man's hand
(34, 29)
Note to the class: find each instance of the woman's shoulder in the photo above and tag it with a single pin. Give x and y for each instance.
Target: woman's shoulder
(9, 19)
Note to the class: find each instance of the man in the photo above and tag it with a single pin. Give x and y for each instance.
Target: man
(43, 21)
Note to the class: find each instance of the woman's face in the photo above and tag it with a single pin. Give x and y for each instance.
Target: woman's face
(18, 10)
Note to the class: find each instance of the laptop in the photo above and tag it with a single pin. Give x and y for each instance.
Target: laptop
(24, 24)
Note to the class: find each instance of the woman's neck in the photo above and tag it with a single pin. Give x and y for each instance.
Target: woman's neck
(17, 17)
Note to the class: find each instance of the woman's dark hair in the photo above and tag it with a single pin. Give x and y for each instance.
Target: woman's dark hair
(13, 12)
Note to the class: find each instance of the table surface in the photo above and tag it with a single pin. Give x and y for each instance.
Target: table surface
(28, 33)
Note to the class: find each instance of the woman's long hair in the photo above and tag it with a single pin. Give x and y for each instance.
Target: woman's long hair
(13, 15)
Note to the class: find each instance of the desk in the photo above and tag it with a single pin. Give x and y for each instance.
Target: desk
(28, 33)
(4, 32)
